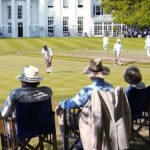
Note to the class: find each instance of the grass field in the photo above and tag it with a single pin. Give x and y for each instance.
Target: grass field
(71, 55)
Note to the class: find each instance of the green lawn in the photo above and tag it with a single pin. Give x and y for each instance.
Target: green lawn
(71, 55)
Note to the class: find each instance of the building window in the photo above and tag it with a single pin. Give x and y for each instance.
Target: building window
(80, 3)
(107, 28)
(97, 10)
(9, 12)
(80, 26)
(98, 28)
(65, 26)
(65, 3)
(9, 27)
(50, 26)
(117, 26)
(50, 3)
(19, 12)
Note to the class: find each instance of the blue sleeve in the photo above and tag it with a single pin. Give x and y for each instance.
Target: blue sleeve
(127, 90)
(79, 100)
(9, 105)
(68, 104)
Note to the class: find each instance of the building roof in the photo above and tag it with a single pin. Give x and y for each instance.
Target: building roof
(102, 18)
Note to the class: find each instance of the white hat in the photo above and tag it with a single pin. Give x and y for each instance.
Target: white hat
(96, 69)
(118, 40)
(30, 74)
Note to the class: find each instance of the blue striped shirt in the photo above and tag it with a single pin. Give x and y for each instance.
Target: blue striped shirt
(84, 94)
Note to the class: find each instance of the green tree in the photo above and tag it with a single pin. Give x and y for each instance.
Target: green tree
(128, 12)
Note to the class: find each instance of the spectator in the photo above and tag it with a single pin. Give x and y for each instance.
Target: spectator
(97, 72)
(30, 79)
(47, 55)
(133, 77)
(145, 33)
(50, 34)
(118, 50)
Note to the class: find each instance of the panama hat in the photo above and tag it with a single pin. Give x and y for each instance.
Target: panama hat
(96, 69)
(118, 40)
(30, 74)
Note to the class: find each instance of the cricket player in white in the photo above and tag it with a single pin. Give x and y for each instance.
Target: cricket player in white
(47, 55)
(105, 43)
(118, 50)
(147, 45)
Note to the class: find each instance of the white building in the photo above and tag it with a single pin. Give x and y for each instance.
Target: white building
(42, 18)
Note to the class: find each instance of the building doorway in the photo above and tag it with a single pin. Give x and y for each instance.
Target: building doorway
(20, 29)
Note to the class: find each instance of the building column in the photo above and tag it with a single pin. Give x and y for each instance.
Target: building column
(42, 16)
(0, 13)
(13, 19)
(121, 29)
(28, 18)
(112, 29)
(103, 32)
(87, 18)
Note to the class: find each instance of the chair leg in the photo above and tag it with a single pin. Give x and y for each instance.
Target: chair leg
(54, 141)
(3, 142)
(41, 144)
(135, 133)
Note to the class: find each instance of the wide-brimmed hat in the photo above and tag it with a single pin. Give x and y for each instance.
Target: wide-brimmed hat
(96, 69)
(118, 40)
(30, 74)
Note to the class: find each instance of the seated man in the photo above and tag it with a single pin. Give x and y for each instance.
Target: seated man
(30, 79)
(105, 116)
(97, 72)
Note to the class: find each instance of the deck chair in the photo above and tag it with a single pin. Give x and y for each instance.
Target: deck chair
(104, 122)
(139, 101)
(71, 129)
(34, 120)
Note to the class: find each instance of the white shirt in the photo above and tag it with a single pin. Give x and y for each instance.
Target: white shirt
(118, 48)
(105, 40)
(147, 42)
(47, 54)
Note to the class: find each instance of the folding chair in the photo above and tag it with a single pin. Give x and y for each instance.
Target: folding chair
(71, 129)
(139, 101)
(34, 120)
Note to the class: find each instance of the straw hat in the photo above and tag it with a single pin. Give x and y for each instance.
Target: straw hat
(96, 69)
(30, 74)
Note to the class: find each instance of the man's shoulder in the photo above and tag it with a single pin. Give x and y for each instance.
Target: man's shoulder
(44, 88)
(42, 50)
(49, 48)
(40, 88)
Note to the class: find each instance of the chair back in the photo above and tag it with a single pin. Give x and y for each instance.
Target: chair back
(34, 118)
(139, 100)
(71, 128)
(104, 121)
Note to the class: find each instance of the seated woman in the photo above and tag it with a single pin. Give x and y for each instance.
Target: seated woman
(133, 77)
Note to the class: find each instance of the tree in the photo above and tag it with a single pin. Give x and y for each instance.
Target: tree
(129, 12)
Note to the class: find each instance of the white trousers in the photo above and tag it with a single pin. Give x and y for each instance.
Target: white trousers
(148, 51)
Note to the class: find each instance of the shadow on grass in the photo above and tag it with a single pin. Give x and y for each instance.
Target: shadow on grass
(50, 147)
(133, 146)
(131, 62)
(65, 71)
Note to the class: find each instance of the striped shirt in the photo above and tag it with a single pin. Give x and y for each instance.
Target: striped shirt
(24, 94)
(84, 94)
